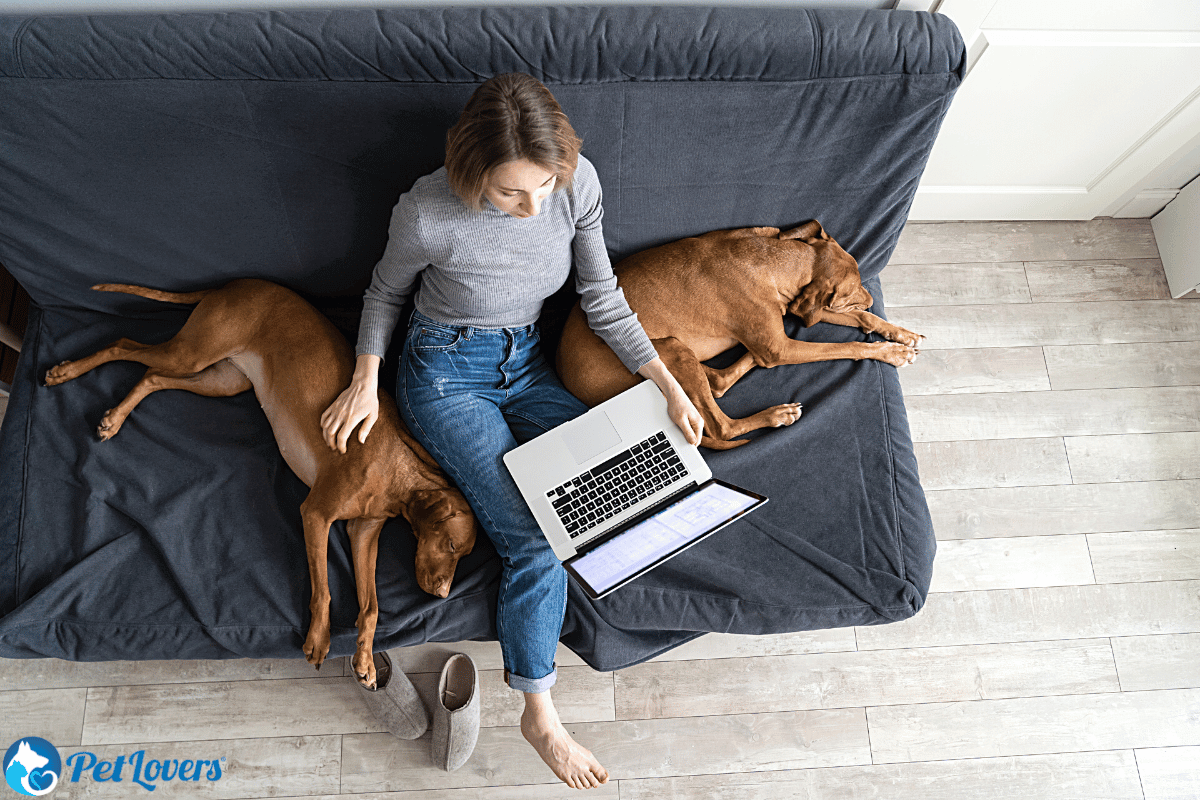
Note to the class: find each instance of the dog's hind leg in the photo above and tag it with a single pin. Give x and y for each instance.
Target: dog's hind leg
(212, 332)
(719, 429)
(719, 380)
(222, 379)
(119, 350)
(364, 544)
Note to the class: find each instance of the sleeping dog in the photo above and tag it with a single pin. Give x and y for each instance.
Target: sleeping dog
(698, 297)
(252, 334)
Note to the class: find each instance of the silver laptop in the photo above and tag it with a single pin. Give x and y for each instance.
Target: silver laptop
(618, 491)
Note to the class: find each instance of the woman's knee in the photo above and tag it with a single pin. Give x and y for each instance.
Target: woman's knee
(533, 554)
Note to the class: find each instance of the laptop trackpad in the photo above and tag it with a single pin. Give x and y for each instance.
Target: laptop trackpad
(590, 437)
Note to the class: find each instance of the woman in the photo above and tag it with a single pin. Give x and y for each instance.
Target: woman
(493, 233)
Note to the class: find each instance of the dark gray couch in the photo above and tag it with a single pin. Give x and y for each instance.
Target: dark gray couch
(180, 151)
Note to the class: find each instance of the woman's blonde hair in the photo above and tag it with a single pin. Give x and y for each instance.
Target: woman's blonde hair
(509, 118)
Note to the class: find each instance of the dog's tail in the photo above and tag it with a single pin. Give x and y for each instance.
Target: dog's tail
(187, 298)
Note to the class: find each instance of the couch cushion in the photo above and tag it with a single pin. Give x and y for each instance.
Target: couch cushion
(179, 151)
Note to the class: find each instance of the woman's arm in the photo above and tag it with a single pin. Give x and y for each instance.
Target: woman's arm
(393, 278)
(607, 311)
(679, 406)
(603, 302)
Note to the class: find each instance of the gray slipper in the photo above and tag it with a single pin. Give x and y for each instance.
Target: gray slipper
(456, 715)
(395, 702)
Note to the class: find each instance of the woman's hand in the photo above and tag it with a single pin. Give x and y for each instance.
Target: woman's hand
(679, 406)
(359, 403)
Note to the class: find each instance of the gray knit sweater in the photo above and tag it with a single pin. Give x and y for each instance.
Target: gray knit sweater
(491, 270)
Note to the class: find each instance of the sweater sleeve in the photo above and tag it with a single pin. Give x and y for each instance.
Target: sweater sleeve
(393, 279)
(603, 302)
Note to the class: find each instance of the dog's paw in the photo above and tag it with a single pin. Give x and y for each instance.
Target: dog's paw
(905, 337)
(59, 374)
(367, 677)
(784, 414)
(316, 648)
(896, 354)
(109, 425)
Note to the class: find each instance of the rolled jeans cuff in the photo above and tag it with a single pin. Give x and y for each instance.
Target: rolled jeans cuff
(531, 685)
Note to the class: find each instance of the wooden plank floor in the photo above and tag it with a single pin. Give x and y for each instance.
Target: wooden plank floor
(1056, 413)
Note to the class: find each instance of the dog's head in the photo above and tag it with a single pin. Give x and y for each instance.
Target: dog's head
(444, 526)
(835, 283)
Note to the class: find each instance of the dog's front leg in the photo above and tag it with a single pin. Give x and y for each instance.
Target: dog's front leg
(870, 323)
(316, 543)
(364, 544)
(784, 350)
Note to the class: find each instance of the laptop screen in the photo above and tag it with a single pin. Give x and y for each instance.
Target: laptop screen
(656, 538)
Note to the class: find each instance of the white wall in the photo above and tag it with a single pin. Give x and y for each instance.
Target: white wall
(1175, 231)
(1071, 109)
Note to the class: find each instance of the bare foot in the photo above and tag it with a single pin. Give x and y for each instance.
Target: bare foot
(574, 765)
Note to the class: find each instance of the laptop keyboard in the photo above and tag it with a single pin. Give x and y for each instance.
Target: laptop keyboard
(604, 491)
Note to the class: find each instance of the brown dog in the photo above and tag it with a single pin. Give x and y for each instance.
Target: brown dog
(256, 334)
(698, 297)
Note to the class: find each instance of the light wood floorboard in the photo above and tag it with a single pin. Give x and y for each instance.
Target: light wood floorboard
(54, 715)
(1056, 412)
(1079, 508)
(955, 284)
(1072, 776)
(968, 243)
(1044, 614)
(968, 565)
(1117, 366)
(545, 791)
(1144, 457)
(1145, 556)
(1170, 773)
(1040, 324)
(976, 370)
(1087, 281)
(1028, 415)
(869, 678)
(1158, 662)
(976, 464)
(1034, 725)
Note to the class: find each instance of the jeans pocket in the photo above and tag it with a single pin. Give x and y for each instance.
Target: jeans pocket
(434, 337)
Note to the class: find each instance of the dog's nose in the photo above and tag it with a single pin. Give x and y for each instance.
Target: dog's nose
(442, 588)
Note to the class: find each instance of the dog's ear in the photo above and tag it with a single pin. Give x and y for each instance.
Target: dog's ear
(808, 231)
(808, 304)
(431, 507)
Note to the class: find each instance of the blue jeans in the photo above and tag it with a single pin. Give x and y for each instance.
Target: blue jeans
(469, 395)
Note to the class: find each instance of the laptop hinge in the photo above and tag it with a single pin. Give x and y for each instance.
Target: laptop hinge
(629, 523)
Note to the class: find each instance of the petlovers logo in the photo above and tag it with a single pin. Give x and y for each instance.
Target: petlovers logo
(32, 766)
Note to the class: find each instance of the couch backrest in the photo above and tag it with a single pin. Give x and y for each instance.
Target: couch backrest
(179, 151)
